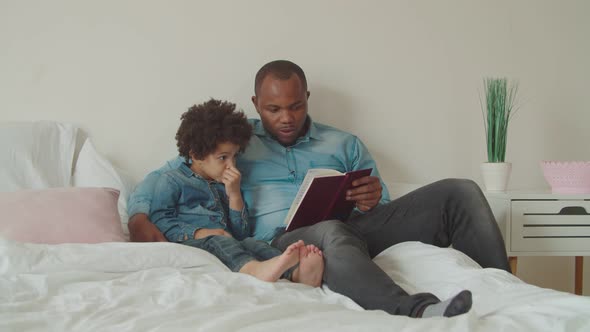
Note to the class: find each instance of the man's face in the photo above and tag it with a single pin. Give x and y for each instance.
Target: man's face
(282, 105)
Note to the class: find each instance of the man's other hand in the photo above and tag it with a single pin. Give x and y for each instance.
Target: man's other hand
(141, 229)
(366, 192)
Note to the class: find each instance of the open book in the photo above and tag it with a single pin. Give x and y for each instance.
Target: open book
(322, 196)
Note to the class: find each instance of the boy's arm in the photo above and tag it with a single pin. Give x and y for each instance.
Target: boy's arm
(141, 198)
(240, 228)
(140, 227)
(164, 211)
(238, 214)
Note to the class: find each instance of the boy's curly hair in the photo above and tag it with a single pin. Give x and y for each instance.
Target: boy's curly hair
(206, 125)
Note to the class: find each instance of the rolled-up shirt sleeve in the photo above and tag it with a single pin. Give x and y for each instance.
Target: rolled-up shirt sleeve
(362, 159)
(240, 227)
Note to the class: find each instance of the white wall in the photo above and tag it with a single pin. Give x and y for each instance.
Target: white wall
(403, 75)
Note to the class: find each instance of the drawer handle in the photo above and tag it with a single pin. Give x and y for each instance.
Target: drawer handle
(573, 210)
(566, 211)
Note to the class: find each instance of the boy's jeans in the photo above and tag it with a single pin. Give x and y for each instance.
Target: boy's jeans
(235, 254)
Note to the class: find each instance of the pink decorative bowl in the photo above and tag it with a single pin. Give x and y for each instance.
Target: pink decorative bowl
(567, 177)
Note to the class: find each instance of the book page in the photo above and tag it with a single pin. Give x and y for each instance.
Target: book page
(317, 172)
(311, 174)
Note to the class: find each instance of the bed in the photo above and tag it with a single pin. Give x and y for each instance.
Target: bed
(104, 283)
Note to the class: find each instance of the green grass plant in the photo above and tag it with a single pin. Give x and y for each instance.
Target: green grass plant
(500, 97)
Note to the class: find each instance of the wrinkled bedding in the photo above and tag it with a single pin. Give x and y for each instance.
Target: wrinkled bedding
(170, 287)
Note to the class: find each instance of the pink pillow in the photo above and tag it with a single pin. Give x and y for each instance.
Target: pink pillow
(61, 215)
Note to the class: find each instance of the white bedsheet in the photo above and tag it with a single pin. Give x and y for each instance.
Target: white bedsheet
(170, 287)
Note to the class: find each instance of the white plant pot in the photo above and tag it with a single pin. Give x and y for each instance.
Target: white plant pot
(495, 176)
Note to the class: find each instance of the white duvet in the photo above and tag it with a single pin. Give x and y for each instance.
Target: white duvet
(170, 287)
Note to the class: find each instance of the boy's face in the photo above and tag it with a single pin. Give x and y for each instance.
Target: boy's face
(214, 164)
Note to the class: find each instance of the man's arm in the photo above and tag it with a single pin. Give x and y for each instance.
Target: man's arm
(368, 191)
(141, 228)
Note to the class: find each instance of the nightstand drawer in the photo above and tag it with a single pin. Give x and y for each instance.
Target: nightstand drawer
(550, 226)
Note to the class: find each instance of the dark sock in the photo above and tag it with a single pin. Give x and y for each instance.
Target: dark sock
(457, 305)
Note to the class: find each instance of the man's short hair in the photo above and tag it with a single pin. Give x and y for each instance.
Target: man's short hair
(206, 125)
(280, 69)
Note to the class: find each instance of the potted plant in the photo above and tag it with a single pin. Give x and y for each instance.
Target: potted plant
(499, 108)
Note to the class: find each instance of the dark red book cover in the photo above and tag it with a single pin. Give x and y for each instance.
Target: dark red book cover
(326, 199)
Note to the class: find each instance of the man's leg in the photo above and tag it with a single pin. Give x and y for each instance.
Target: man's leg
(451, 211)
(349, 269)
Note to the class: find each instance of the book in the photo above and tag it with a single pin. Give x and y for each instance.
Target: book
(322, 196)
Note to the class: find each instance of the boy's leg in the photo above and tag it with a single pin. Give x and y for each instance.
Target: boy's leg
(264, 251)
(349, 269)
(229, 250)
(451, 211)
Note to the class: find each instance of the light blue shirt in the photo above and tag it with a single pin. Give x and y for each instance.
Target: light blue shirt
(184, 202)
(272, 173)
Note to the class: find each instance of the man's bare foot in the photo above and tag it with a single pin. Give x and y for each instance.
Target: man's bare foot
(311, 266)
(272, 269)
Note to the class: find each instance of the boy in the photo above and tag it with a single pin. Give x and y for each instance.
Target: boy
(200, 203)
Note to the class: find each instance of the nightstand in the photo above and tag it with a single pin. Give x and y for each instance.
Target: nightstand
(544, 224)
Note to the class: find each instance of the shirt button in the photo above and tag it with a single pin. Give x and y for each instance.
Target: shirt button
(212, 218)
(288, 149)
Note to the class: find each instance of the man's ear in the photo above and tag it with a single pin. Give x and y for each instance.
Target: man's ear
(308, 93)
(255, 102)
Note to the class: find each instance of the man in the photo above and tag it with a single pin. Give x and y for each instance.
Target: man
(286, 144)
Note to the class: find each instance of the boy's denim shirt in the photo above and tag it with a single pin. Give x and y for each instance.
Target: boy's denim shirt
(184, 202)
(272, 173)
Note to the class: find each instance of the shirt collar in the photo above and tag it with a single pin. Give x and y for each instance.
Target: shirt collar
(312, 132)
(185, 168)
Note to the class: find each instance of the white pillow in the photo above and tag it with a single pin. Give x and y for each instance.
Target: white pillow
(93, 170)
(36, 155)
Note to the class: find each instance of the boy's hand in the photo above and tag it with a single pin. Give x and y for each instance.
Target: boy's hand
(204, 232)
(231, 179)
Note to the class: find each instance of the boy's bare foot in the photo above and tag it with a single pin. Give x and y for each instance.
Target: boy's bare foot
(272, 269)
(311, 266)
